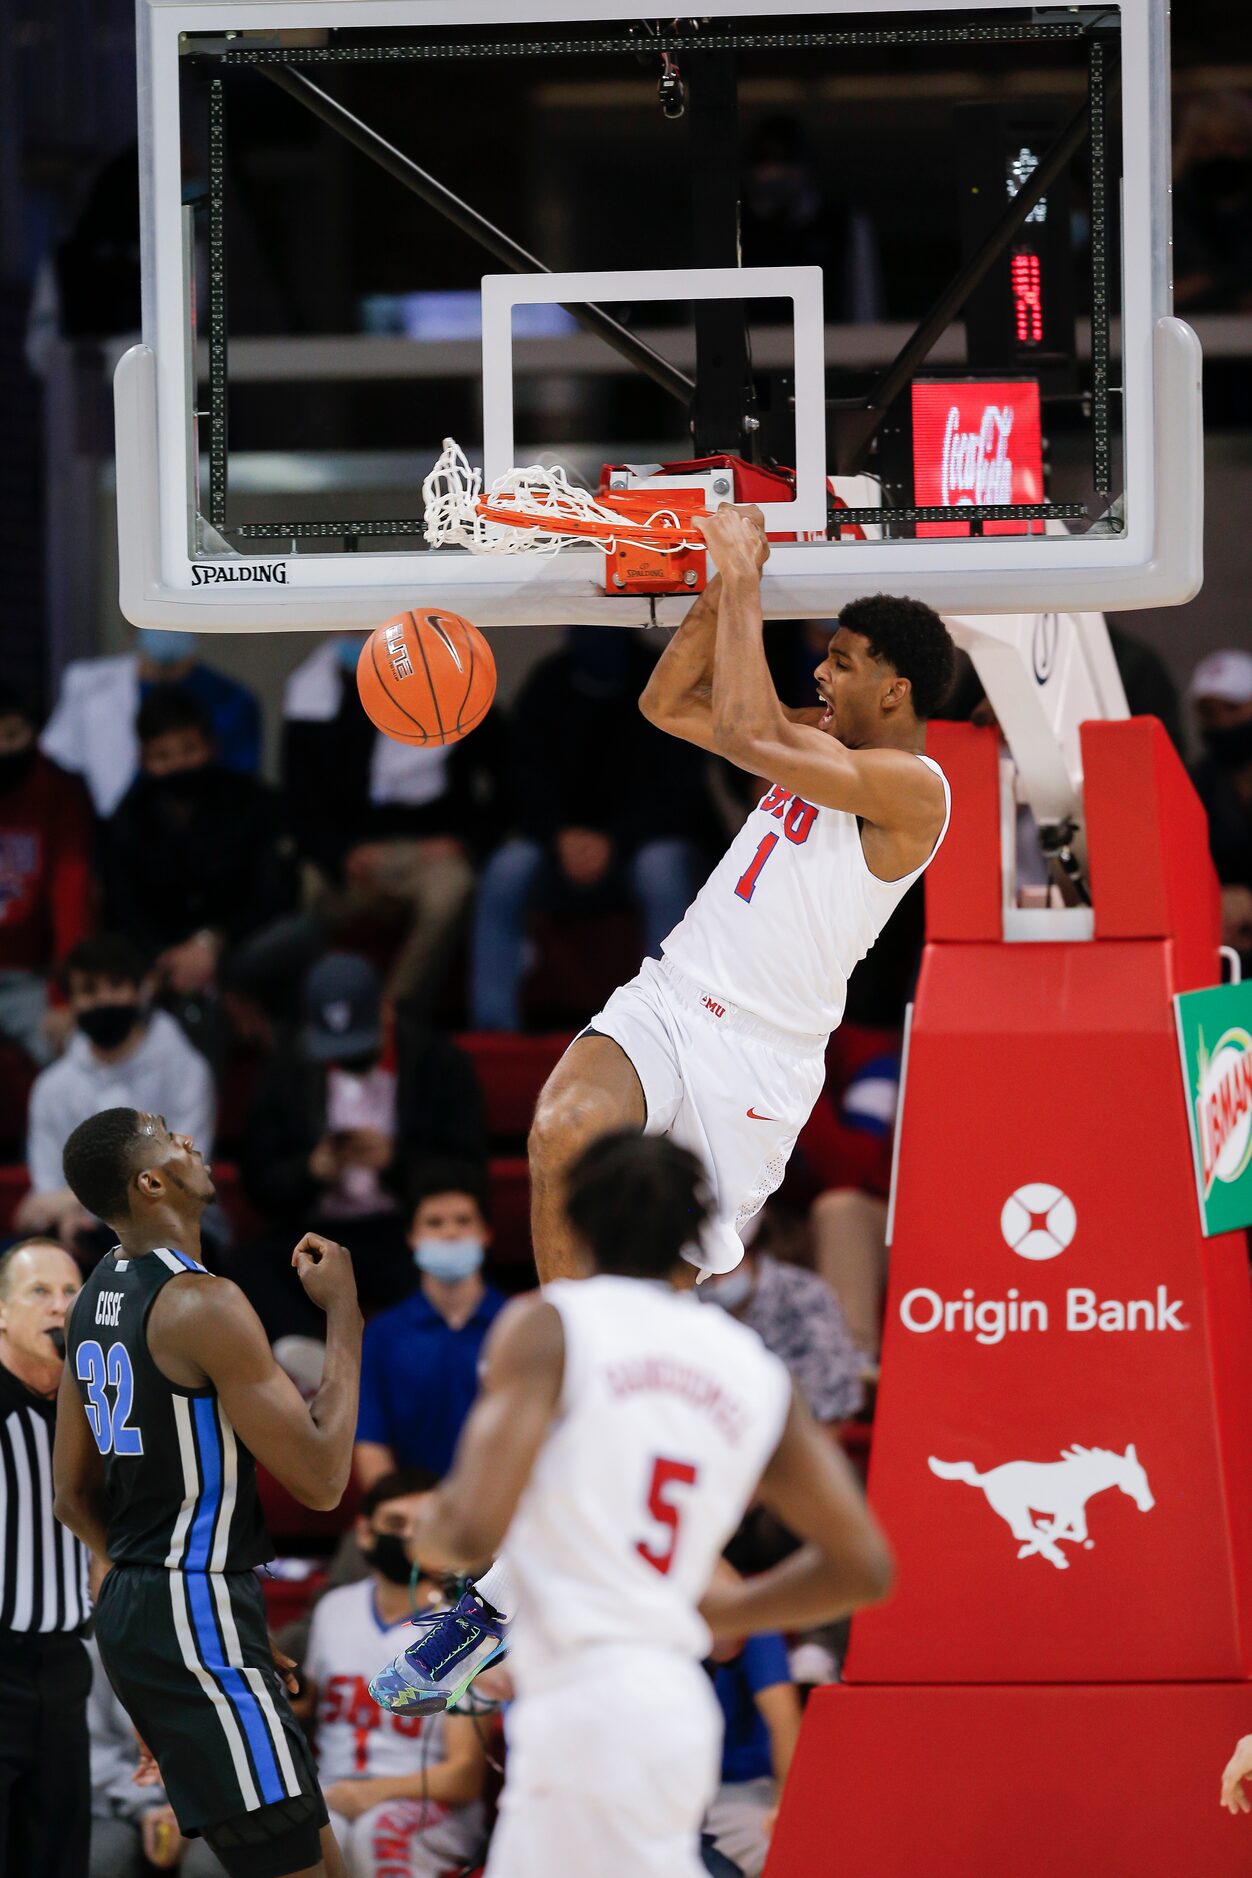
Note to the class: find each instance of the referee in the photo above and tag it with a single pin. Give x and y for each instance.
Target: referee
(45, 1672)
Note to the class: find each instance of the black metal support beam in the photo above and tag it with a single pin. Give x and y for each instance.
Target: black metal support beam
(235, 51)
(723, 394)
(1101, 455)
(471, 223)
(916, 350)
(217, 304)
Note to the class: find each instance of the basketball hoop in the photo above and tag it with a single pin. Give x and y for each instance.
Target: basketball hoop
(537, 510)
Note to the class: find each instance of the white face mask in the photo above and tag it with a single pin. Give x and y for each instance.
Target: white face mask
(730, 1291)
(448, 1259)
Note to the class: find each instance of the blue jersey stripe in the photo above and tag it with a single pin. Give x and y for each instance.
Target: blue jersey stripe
(208, 1444)
(183, 1259)
(238, 1694)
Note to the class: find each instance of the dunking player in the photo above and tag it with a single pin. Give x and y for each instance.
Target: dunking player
(169, 1390)
(619, 1434)
(721, 1043)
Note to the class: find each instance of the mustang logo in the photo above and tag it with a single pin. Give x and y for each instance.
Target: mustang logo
(1019, 1490)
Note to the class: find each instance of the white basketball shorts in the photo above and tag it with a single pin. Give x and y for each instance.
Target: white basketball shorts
(733, 1088)
(611, 1769)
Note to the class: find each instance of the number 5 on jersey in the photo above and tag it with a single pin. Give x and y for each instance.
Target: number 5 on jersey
(667, 1478)
(109, 1419)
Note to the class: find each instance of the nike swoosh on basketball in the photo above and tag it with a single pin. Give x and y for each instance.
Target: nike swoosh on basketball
(754, 1117)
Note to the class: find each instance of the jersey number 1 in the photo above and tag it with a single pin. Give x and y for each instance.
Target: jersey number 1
(666, 1475)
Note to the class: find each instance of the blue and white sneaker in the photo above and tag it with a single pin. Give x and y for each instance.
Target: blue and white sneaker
(452, 1647)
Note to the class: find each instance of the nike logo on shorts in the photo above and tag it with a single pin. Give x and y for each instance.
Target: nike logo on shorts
(754, 1117)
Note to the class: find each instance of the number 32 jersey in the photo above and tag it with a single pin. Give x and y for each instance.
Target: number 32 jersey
(670, 1412)
(788, 911)
(180, 1485)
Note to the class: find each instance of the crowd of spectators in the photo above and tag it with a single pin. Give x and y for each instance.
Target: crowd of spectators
(302, 976)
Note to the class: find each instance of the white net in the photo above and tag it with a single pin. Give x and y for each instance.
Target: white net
(454, 498)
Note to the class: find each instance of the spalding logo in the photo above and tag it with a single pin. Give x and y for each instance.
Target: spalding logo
(209, 573)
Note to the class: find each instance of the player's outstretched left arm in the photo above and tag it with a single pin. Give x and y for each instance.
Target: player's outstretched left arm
(845, 1562)
(462, 1524)
(751, 727)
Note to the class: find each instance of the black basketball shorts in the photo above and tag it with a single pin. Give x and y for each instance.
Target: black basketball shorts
(189, 1656)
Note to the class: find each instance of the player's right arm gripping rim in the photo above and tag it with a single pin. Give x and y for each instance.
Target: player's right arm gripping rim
(845, 1561)
(211, 1327)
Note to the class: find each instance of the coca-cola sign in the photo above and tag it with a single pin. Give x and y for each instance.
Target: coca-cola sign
(977, 443)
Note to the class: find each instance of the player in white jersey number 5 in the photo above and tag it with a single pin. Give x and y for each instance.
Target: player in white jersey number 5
(620, 1433)
(720, 1044)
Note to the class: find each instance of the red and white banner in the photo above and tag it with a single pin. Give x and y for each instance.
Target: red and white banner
(974, 443)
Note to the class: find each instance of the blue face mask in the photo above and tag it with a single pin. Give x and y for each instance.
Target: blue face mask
(448, 1259)
(165, 646)
(730, 1291)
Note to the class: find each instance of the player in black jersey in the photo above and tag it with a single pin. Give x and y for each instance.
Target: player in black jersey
(169, 1390)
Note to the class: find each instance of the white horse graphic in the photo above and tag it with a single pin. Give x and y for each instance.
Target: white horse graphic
(1020, 1489)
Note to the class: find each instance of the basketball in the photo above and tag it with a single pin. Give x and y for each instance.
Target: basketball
(426, 677)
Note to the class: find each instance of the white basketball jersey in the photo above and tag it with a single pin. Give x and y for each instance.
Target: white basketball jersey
(670, 1411)
(349, 1643)
(788, 912)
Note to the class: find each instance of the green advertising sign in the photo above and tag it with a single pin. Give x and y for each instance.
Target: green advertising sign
(1215, 1041)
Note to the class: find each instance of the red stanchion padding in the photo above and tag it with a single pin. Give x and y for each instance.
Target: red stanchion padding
(963, 897)
(1148, 843)
(1062, 1454)
(1102, 1782)
(1049, 1355)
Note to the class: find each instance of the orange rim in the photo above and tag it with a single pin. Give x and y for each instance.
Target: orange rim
(635, 508)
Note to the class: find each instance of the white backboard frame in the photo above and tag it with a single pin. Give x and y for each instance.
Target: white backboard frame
(801, 285)
(1155, 561)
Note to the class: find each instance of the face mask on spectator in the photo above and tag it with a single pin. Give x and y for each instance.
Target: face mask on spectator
(15, 767)
(730, 1291)
(107, 1025)
(448, 1259)
(165, 646)
(182, 785)
(388, 1556)
(1229, 745)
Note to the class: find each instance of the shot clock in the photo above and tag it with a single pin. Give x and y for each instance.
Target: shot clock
(1021, 316)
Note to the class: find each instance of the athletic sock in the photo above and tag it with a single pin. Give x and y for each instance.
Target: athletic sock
(495, 1587)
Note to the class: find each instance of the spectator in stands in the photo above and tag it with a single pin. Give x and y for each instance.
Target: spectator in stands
(849, 1149)
(796, 1315)
(195, 862)
(404, 1792)
(1213, 204)
(850, 1252)
(338, 1120)
(419, 1363)
(1221, 694)
(788, 222)
(123, 1054)
(132, 1828)
(92, 728)
(761, 1709)
(609, 810)
(385, 827)
(45, 874)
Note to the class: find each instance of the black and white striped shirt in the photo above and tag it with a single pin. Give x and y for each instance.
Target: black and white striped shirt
(43, 1567)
